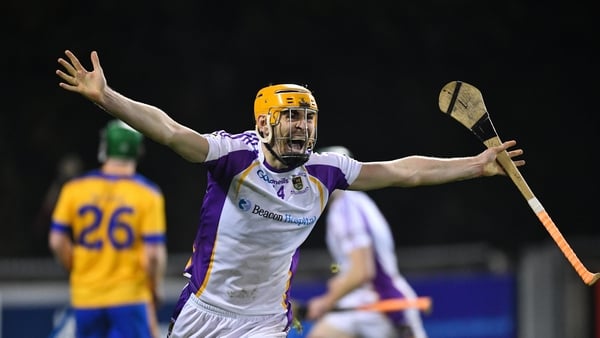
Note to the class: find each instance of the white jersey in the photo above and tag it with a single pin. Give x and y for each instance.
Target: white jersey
(253, 219)
(354, 221)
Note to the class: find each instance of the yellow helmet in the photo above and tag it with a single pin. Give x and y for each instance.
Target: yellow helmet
(272, 101)
(274, 98)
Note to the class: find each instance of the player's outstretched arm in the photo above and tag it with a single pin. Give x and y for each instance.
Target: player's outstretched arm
(412, 171)
(149, 120)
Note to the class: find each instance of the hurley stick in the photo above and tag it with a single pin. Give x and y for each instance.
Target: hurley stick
(464, 103)
(423, 304)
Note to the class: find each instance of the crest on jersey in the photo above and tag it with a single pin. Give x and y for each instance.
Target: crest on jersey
(297, 181)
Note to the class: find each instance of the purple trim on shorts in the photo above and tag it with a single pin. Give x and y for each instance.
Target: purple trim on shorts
(183, 297)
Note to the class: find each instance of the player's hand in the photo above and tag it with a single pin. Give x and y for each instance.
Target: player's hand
(90, 84)
(317, 307)
(491, 166)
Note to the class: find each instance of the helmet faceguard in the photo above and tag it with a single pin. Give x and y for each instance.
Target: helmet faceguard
(294, 135)
(119, 140)
(291, 116)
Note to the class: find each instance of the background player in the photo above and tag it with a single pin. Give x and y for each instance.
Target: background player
(69, 166)
(360, 241)
(108, 231)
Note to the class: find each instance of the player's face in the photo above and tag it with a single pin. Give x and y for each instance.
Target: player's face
(295, 131)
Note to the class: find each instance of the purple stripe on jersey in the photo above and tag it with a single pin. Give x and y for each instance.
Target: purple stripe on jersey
(230, 165)
(383, 282)
(332, 177)
(346, 219)
(384, 286)
(293, 267)
(219, 176)
(210, 213)
(248, 137)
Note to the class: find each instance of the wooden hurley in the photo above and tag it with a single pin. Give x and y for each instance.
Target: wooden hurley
(464, 103)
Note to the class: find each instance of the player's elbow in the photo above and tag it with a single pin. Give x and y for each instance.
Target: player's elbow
(62, 248)
(156, 259)
(368, 275)
(189, 144)
(363, 275)
(56, 241)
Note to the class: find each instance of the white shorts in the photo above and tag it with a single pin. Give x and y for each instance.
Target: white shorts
(368, 324)
(200, 320)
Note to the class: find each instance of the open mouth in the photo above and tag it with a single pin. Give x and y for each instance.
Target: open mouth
(295, 145)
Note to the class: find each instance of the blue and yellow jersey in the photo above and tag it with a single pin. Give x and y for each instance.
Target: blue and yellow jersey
(109, 219)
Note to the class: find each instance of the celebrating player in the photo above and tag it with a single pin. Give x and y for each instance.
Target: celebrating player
(266, 190)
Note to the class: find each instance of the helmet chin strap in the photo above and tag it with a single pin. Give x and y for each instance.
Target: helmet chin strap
(291, 161)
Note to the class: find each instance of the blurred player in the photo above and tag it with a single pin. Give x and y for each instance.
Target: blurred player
(360, 242)
(68, 166)
(266, 190)
(108, 231)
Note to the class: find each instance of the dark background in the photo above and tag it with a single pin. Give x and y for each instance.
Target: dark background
(376, 69)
